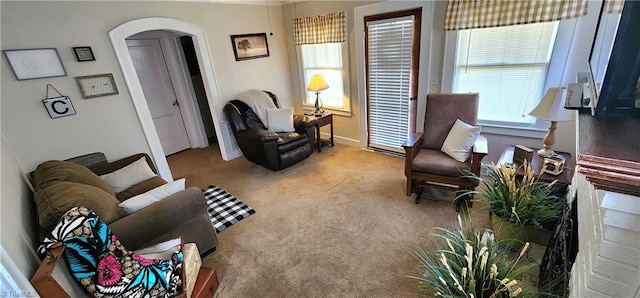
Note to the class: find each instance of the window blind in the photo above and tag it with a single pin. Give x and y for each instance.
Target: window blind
(507, 66)
(325, 59)
(389, 73)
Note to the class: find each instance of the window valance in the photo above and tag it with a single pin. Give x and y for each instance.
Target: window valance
(469, 14)
(613, 6)
(319, 29)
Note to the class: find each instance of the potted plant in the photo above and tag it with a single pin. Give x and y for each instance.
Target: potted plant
(519, 202)
(464, 263)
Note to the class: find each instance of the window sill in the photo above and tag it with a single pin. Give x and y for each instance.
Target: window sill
(507, 130)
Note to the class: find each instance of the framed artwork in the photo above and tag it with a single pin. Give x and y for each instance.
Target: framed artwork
(83, 54)
(250, 46)
(97, 85)
(28, 64)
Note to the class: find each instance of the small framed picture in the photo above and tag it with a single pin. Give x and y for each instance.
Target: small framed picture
(250, 46)
(97, 85)
(84, 54)
(30, 64)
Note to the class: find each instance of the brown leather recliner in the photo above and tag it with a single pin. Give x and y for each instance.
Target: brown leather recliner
(274, 150)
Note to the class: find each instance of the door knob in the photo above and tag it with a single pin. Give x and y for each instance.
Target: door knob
(175, 103)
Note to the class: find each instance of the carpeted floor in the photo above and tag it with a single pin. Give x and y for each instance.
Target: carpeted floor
(335, 225)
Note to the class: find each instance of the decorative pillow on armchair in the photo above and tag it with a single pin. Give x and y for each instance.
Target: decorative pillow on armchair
(280, 120)
(460, 139)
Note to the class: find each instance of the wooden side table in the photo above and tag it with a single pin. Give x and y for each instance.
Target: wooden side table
(324, 119)
(536, 165)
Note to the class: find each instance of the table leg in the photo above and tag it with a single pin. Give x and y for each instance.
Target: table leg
(318, 143)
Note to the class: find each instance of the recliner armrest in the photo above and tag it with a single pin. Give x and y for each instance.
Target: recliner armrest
(261, 135)
(302, 123)
(136, 230)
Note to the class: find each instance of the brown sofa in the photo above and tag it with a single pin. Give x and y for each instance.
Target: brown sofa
(60, 185)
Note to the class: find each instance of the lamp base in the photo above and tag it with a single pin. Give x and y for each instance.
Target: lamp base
(545, 151)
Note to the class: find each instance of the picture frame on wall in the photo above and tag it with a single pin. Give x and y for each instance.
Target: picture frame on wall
(84, 54)
(29, 64)
(250, 46)
(97, 85)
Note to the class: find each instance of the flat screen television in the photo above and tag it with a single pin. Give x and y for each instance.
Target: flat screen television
(614, 63)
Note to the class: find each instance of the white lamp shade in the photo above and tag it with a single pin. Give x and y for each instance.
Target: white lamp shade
(551, 107)
(317, 83)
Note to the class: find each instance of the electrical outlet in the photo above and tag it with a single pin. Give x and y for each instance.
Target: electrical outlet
(433, 80)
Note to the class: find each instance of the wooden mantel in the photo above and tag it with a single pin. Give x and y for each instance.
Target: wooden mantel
(609, 152)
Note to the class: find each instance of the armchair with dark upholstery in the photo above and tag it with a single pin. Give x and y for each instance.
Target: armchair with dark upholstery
(426, 163)
(274, 150)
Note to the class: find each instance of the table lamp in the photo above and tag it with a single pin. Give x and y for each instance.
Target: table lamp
(317, 84)
(551, 108)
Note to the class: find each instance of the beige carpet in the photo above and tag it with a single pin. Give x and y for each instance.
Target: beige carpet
(335, 225)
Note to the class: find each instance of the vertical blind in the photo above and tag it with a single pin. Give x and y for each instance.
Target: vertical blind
(389, 68)
(507, 66)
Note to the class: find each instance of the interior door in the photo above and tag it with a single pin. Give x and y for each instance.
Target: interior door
(392, 53)
(153, 74)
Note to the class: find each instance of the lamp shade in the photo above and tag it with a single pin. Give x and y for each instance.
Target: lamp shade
(317, 83)
(551, 107)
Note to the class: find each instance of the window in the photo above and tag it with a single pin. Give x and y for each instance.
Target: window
(508, 66)
(325, 59)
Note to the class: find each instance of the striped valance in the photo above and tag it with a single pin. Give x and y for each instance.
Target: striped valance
(613, 6)
(319, 29)
(469, 14)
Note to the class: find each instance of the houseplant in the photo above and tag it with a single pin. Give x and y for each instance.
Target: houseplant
(518, 200)
(464, 263)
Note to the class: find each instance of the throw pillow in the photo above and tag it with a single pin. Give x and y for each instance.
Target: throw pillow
(460, 139)
(280, 120)
(155, 195)
(129, 175)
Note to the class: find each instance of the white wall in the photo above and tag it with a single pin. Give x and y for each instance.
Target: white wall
(17, 214)
(102, 122)
(107, 124)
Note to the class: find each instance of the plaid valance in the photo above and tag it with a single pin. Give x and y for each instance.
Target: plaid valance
(613, 6)
(319, 29)
(469, 14)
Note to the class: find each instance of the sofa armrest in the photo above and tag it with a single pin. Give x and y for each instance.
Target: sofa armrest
(138, 229)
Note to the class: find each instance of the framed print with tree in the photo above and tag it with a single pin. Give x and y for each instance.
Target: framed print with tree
(250, 46)
(30, 64)
(84, 54)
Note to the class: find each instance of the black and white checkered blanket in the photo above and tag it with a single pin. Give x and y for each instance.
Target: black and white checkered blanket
(224, 209)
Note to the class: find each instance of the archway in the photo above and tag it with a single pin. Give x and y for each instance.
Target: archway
(118, 36)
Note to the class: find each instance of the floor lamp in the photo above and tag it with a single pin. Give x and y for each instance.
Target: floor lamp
(551, 108)
(317, 84)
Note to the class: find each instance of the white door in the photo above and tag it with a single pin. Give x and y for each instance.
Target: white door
(153, 74)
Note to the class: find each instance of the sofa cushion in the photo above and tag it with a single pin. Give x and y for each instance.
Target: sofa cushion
(58, 170)
(157, 194)
(130, 175)
(56, 198)
(139, 188)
